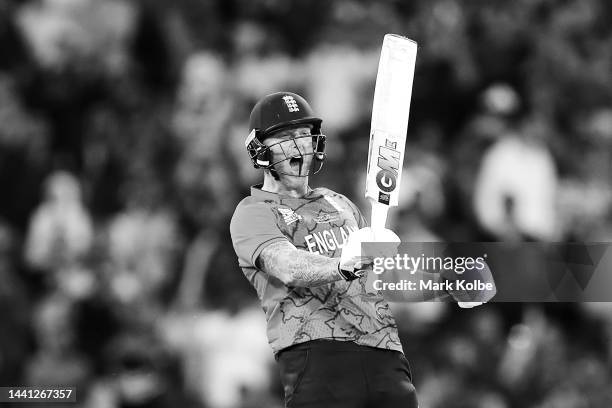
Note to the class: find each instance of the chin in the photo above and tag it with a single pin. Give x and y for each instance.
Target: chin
(293, 181)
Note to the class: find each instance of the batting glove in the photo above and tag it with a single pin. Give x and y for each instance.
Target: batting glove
(352, 264)
(469, 298)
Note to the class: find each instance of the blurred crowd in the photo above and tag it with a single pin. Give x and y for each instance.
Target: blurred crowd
(121, 161)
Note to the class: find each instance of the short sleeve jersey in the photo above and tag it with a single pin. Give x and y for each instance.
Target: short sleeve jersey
(319, 222)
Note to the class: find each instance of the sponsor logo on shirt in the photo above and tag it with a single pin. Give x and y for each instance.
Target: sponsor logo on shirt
(289, 216)
(326, 218)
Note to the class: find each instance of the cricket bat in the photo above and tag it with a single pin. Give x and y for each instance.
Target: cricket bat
(390, 111)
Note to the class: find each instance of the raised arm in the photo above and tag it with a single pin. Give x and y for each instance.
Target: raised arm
(296, 267)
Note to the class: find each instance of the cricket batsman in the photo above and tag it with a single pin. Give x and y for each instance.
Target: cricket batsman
(335, 341)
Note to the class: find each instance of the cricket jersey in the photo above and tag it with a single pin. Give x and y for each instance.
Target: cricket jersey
(320, 222)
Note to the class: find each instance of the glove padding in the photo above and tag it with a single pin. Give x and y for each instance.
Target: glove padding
(467, 299)
(469, 305)
(384, 235)
(352, 264)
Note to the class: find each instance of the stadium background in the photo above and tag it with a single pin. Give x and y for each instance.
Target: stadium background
(121, 161)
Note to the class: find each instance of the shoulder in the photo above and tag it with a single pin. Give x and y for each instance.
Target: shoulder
(249, 209)
(324, 191)
(251, 203)
(244, 205)
(335, 196)
(339, 201)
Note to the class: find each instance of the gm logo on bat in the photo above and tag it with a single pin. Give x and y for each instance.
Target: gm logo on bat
(388, 165)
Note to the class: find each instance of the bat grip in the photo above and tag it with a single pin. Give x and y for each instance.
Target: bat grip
(378, 219)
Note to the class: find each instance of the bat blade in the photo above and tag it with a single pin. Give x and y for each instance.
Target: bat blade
(390, 112)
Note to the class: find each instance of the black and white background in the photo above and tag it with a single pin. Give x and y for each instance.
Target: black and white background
(121, 161)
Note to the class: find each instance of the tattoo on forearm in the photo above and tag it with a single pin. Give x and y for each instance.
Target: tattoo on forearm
(297, 267)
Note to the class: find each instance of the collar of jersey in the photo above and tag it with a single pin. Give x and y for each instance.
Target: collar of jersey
(260, 194)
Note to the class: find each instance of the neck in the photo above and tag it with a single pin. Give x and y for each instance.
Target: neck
(296, 187)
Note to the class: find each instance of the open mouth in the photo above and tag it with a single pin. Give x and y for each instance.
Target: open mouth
(296, 161)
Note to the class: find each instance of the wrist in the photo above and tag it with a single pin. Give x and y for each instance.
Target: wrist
(338, 269)
(343, 273)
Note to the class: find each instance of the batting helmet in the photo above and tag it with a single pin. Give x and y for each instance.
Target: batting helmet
(275, 112)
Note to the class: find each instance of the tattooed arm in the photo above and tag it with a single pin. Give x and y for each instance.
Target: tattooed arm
(296, 267)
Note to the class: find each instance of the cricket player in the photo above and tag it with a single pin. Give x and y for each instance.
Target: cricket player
(336, 341)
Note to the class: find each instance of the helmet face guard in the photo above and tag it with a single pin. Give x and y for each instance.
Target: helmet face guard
(276, 112)
(261, 155)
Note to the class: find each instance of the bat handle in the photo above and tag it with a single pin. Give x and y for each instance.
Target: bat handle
(378, 219)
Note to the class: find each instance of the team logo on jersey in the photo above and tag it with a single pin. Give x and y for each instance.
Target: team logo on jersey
(334, 203)
(289, 216)
(291, 103)
(325, 218)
